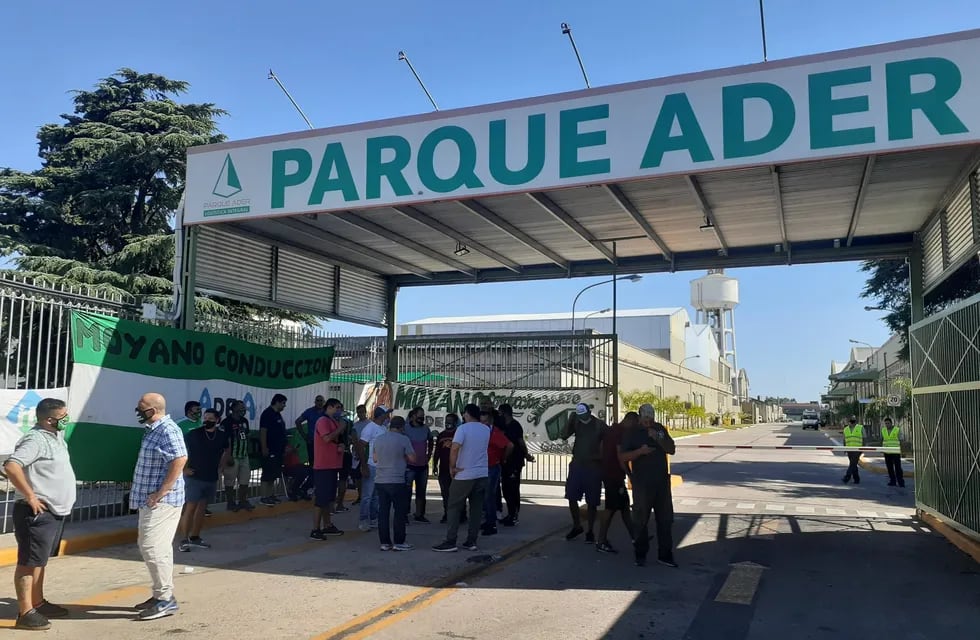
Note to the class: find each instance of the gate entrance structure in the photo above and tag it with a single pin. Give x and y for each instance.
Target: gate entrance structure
(852, 155)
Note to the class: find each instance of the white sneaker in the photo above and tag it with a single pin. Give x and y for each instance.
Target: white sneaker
(403, 547)
(386, 547)
(374, 524)
(364, 527)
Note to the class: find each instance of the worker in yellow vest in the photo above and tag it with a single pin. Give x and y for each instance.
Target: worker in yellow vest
(853, 437)
(889, 438)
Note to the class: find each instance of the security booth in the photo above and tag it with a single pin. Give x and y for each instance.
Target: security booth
(853, 155)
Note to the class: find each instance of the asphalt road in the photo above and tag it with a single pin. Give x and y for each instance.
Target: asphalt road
(771, 544)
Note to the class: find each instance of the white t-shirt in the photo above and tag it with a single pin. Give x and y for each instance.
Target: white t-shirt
(473, 438)
(357, 428)
(371, 431)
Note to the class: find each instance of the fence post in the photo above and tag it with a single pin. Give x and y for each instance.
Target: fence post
(615, 378)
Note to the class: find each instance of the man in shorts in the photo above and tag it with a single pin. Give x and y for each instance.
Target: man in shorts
(237, 468)
(327, 463)
(584, 471)
(207, 451)
(614, 481)
(41, 473)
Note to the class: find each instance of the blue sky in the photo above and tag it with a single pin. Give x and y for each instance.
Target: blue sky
(339, 60)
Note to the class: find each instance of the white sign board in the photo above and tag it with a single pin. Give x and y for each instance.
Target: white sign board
(894, 401)
(901, 96)
(17, 412)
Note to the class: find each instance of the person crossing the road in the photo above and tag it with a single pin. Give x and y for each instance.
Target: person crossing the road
(893, 461)
(853, 437)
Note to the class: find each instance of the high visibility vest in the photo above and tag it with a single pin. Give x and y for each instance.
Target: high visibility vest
(889, 438)
(854, 436)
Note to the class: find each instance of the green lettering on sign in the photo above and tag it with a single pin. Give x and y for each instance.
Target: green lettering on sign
(570, 141)
(733, 100)
(281, 180)
(333, 157)
(933, 103)
(676, 107)
(465, 173)
(392, 169)
(535, 151)
(823, 108)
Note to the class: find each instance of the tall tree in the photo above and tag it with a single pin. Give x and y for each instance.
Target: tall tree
(888, 284)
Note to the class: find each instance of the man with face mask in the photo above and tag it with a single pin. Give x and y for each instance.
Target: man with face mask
(417, 474)
(441, 465)
(44, 483)
(207, 450)
(158, 493)
(237, 467)
(584, 471)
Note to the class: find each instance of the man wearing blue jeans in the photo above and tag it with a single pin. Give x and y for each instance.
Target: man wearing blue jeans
(392, 450)
(365, 453)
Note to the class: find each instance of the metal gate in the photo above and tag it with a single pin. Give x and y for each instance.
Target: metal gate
(945, 356)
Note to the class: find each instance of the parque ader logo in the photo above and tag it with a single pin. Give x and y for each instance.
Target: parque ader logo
(226, 186)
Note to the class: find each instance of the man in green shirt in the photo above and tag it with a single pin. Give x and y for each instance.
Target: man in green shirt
(192, 417)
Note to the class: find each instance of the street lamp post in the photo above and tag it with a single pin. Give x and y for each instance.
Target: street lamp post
(631, 278)
(867, 367)
(594, 313)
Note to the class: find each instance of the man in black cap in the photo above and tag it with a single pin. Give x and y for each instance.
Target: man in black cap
(646, 449)
(585, 469)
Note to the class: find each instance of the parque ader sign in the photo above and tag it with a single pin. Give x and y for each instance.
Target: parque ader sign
(893, 97)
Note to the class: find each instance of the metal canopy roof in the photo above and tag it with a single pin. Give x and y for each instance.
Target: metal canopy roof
(870, 206)
(841, 156)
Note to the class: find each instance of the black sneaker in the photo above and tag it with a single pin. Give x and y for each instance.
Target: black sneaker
(488, 531)
(509, 521)
(245, 504)
(197, 543)
(589, 538)
(268, 502)
(422, 519)
(316, 534)
(234, 507)
(341, 509)
(161, 609)
(146, 604)
(574, 533)
(207, 513)
(446, 547)
(891, 484)
(470, 545)
(50, 610)
(332, 530)
(667, 562)
(32, 621)
(605, 547)
(185, 545)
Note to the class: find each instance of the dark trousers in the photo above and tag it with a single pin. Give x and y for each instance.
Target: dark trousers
(853, 457)
(392, 496)
(417, 477)
(460, 491)
(445, 481)
(490, 501)
(511, 485)
(654, 497)
(894, 463)
(299, 481)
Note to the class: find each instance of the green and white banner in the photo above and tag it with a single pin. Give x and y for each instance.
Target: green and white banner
(542, 412)
(116, 361)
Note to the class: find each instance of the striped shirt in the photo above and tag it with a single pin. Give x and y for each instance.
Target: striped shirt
(236, 429)
(163, 442)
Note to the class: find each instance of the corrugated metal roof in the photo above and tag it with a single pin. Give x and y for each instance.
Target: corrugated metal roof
(524, 317)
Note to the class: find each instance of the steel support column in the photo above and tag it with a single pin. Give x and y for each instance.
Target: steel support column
(391, 350)
(915, 281)
(187, 280)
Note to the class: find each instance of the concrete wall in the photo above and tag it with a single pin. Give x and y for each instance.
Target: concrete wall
(642, 371)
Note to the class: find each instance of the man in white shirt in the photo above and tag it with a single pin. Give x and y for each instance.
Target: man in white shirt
(469, 469)
(369, 498)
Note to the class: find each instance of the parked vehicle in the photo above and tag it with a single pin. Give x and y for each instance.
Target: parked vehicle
(811, 420)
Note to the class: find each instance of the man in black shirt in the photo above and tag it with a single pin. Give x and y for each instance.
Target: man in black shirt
(207, 449)
(646, 449)
(513, 465)
(272, 438)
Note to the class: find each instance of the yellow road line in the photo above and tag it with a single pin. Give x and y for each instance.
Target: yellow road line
(387, 614)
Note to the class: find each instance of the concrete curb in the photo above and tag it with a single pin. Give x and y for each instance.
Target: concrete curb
(964, 543)
(92, 541)
(883, 471)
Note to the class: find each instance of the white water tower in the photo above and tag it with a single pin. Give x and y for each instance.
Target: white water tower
(714, 298)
